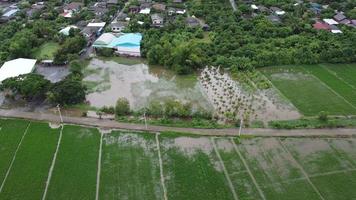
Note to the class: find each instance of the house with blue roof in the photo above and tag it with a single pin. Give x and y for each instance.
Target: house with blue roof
(128, 44)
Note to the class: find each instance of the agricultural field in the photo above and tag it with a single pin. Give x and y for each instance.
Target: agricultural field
(316, 88)
(39, 161)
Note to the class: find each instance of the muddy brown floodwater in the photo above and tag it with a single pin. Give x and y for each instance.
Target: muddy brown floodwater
(140, 84)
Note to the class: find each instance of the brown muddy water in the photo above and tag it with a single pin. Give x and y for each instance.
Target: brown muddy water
(140, 84)
(108, 80)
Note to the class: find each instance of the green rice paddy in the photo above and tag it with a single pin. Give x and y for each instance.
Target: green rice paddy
(149, 166)
(316, 88)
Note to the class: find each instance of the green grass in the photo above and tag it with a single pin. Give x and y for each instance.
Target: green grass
(272, 168)
(130, 168)
(10, 135)
(296, 190)
(28, 175)
(320, 156)
(176, 122)
(332, 122)
(308, 93)
(345, 71)
(74, 174)
(192, 175)
(337, 186)
(336, 84)
(240, 178)
(46, 51)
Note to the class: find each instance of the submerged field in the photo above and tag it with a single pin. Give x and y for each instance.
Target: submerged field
(90, 164)
(316, 88)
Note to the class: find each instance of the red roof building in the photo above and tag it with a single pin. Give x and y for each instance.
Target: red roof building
(321, 26)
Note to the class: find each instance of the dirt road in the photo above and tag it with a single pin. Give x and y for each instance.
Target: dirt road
(110, 124)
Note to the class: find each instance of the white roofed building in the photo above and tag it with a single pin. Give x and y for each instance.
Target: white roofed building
(330, 21)
(17, 67)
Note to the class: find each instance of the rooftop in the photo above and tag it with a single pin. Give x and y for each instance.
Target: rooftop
(16, 67)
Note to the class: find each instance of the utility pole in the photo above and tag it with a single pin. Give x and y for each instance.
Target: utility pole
(144, 117)
(59, 111)
(241, 124)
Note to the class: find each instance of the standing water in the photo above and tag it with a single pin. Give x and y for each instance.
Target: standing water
(140, 84)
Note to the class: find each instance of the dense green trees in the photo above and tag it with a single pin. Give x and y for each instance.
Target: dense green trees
(30, 86)
(122, 107)
(69, 91)
(35, 87)
(70, 47)
(241, 42)
(176, 46)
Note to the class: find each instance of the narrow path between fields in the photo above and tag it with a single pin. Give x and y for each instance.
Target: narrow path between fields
(224, 170)
(161, 167)
(111, 124)
(99, 167)
(301, 169)
(248, 169)
(14, 157)
(53, 163)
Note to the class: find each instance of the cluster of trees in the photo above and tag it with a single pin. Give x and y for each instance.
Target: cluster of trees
(169, 109)
(34, 87)
(70, 47)
(175, 46)
(19, 39)
(241, 42)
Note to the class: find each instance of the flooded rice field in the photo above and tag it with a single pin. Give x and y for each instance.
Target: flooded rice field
(229, 98)
(211, 90)
(140, 84)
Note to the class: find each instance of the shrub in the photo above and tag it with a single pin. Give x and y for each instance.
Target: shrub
(323, 116)
(106, 52)
(122, 107)
(108, 110)
(75, 67)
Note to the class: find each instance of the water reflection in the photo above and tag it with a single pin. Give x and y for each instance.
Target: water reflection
(140, 84)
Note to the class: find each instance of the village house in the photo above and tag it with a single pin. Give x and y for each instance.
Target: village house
(117, 27)
(99, 9)
(71, 8)
(277, 11)
(192, 22)
(177, 1)
(316, 8)
(263, 9)
(134, 9)
(9, 14)
(274, 19)
(37, 7)
(128, 44)
(92, 30)
(159, 7)
(157, 20)
(17, 67)
(112, 3)
(321, 26)
(65, 31)
(339, 17)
